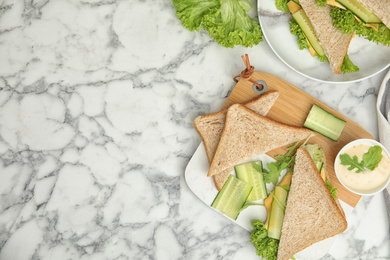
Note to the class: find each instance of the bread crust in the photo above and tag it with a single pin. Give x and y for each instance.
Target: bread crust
(226, 157)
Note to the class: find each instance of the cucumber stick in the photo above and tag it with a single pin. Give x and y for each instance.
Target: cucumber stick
(362, 12)
(251, 174)
(232, 197)
(324, 123)
(277, 213)
(307, 28)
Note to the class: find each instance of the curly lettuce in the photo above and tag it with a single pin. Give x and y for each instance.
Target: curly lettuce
(282, 5)
(345, 21)
(322, 2)
(296, 30)
(266, 247)
(225, 20)
(348, 66)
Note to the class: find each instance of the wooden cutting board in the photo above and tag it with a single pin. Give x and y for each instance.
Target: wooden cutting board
(292, 108)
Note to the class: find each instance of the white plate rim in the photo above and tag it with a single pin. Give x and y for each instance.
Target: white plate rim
(262, 25)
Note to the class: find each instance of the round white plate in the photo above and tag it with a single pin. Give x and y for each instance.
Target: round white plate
(370, 57)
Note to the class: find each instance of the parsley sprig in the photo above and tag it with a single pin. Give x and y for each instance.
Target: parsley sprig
(370, 160)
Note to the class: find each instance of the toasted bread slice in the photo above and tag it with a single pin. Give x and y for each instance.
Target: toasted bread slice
(247, 134)
(311, 213)
(210, 128)
(334, 42)
(380, 8)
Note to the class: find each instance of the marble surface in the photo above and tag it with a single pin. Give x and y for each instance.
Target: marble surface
(97, 100)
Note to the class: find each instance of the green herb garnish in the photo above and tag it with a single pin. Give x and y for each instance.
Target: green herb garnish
(370, 160)
(331, 188)
(286, 161)
(274, 173)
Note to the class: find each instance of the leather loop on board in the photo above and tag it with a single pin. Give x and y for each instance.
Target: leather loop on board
(247, 72)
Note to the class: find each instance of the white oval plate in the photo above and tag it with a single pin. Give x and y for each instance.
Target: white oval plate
(368, 56)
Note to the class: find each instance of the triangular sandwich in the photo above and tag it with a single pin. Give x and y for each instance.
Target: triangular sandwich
(334, 42)
(247, 134)
(312, 214)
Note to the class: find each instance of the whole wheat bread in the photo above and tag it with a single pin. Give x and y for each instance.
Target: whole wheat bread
(210, 128)
(334, 42)
(380, 8)
(311, 212)
(247, 134)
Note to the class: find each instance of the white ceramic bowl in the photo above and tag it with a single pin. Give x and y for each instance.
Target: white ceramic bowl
(337, 162)
(370, 57)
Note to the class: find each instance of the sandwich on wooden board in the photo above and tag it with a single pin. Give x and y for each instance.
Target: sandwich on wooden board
(210, 128)
(247, 134)
(312, 214)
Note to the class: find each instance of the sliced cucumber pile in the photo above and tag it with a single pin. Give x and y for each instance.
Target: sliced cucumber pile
(277, 212)
(360, 11)
(324, 123)
(307, 28)
(251, 174)
(232, 197)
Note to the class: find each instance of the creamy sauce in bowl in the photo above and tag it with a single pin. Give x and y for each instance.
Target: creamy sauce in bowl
(367, 181)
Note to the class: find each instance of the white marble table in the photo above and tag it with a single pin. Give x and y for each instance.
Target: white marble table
(97, 100)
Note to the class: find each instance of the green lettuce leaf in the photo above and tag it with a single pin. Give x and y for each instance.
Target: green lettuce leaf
(321, 2)
(266, 247)
(348, 66)
(316, 153)
(191, 12)
(225, 20)
(282, 5)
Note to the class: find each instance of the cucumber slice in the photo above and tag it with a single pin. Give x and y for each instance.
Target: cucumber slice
(277, 213)
(324, 123)
(307, 28)
(249, 172)
(360, 11)
(232, 197)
